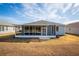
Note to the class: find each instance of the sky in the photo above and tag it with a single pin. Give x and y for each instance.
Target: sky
(20, 13)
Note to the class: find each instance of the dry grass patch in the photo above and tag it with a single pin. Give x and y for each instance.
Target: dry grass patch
(64, 40)
(65, 45)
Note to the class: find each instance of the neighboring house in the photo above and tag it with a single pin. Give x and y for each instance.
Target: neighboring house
(40, 29)
(73, 28)
(6, 28)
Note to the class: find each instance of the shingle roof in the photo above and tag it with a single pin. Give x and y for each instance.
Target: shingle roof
(42, 22)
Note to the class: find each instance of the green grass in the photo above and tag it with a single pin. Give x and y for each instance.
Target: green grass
(4, 36)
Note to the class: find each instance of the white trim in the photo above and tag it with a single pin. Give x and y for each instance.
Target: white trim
(46, 30)
(32, 36)
(41, 30)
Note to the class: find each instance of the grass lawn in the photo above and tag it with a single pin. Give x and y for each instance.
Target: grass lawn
(65, 45)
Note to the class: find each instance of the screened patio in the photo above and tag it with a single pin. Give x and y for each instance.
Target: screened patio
(37, 30)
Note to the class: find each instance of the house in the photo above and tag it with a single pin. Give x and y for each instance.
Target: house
(73, 28)
(40, 29)
(6, 28)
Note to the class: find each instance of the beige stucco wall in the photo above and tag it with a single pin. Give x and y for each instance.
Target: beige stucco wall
(72, 30)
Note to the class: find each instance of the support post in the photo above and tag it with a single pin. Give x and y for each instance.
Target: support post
(24, 30)
(46, 30)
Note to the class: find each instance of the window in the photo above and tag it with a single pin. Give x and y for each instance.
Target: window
(27, 28)
(2, 28)
(6, 27)
(30, 28)
(38, 29)
(69, 29)
(57, 28)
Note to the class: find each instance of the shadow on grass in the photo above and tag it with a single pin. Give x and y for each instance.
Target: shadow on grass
(73, 34)
(11, 38)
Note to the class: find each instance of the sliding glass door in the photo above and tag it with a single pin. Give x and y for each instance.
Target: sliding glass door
(44, 31)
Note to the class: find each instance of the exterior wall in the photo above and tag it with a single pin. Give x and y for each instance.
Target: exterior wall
(72, 30)
(6, 29)
(61, 30)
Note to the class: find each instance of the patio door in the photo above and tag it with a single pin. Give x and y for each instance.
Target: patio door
(44, 31)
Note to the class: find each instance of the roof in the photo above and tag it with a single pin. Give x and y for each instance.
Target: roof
(42, 22)
(6, 23)
(75, 24)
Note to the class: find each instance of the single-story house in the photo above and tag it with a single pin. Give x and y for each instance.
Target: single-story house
(40, 29)
(6, 28)
(72, 28)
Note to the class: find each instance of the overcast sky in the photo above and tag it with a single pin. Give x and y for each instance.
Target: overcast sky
(55, 12)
